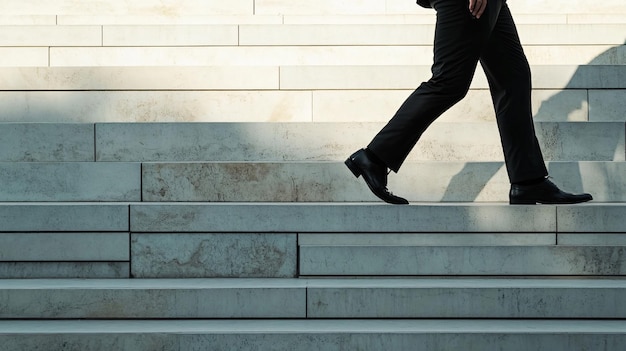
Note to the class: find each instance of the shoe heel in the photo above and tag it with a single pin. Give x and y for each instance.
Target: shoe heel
(353, 168)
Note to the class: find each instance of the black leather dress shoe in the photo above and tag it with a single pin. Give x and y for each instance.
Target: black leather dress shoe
(375, 176)
(544, 192)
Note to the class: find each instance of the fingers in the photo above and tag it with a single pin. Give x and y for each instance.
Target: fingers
(477, 7)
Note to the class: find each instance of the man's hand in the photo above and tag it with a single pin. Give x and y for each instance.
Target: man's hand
(477, 7)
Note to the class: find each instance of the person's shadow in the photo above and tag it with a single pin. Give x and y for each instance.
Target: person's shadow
(474, 177)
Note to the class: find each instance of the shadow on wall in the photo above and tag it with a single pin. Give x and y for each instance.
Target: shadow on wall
(569, 175)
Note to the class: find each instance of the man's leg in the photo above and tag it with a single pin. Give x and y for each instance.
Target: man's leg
(459, 40)
(509, 78)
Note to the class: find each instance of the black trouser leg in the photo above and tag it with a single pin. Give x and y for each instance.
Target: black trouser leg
(460, 42)
(509, 79)
(457, 46)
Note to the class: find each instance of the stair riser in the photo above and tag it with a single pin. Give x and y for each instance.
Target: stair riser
(311, 218)
(304, 341)
(399, 261)
(332, 182)
(335, 141)
(313, 302)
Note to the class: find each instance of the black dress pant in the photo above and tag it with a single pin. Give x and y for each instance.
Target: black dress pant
(460, 42)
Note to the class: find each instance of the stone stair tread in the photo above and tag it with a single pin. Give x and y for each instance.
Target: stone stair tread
(231, 77)
(170, 284)
(366, 217)
(314, 326)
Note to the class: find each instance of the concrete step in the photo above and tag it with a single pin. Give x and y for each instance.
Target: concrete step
(258, 142)
(70, 181)
(153, 298)
(311, 298)
(37, 142)
(270, 240)
(333, 182)
(514, 335)
(298, 55)
(389, 260)
(121, 7)
(254, 77)
(416, 17)
(309, 218)
(273, 7)
(374, 218)
(346, 105)
(283, 94)
(285, 35)
(308, 34)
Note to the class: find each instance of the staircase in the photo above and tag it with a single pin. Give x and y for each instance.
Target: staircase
(172, 178)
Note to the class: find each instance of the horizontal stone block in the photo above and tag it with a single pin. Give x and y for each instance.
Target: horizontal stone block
(239, 56)
(146, 298)
(331, 182)
(213, 255)
(69, 217)
(75, 181)
(331, 218)
(358, 77)
(567, 105)
(25, 20)
(465, 298)
(427, 17)
(607, 105)
(574, 55)
(54, 35)
(488, 181)
(606, 181)
(229, 141)
(151, 106)
(261, 143)
(314, 335)
(566, 54)
(42, 142)
(592, 239)
(273, 182)
(347, 106)
(139, 78)
(142, 7)
(592, 219)
(580, 77)
(168, 19)
(322, 7)
(421, 18)
(35, 247)
(419, 34)
(58, 270)
(591, 18)
(337, 34)
(429, 239)
(24, 57)
(561, 141)
(315, 182)
(170, 35)
(462, 261)
(572, 34)
(573, 7)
